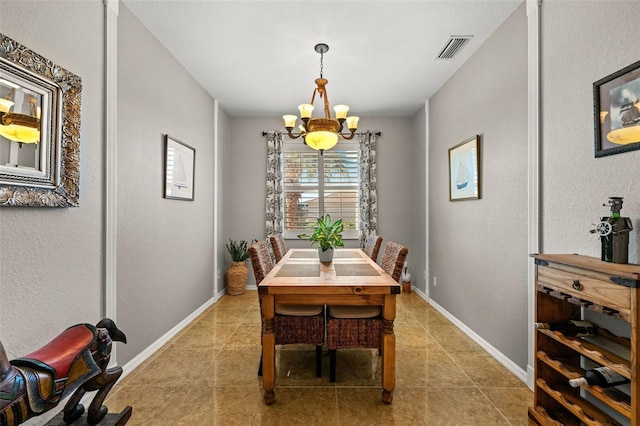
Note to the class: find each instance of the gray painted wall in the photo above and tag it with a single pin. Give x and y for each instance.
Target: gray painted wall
(245, 208)
(478, 248)
(51, 260)
(396, 181)
(165, 247)
(583, 42)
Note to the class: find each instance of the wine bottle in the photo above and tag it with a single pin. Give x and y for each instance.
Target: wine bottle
(572, 328)
(601, 376)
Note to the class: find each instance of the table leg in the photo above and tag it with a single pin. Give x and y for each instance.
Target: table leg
(268, 350)
(388, 349)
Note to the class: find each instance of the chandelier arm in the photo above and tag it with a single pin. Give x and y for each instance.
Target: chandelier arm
(349, 136)
(292, 135)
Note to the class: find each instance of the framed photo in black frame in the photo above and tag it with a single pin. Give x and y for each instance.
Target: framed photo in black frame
(179, 169)
(616, 111)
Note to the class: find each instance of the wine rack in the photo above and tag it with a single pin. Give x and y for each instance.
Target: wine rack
(567, 284)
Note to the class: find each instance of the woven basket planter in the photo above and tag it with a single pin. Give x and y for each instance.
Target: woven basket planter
(237, 275)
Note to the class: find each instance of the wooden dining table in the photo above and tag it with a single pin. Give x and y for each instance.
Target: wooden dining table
(352, 278)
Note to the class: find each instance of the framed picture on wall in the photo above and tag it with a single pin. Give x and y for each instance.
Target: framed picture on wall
(464, 168)
(616, 111)
(179, 169)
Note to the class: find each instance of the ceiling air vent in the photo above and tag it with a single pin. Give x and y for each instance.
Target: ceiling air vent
(453, 46)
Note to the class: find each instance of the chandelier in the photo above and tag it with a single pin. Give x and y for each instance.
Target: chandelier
(321, 133)
(21, 128)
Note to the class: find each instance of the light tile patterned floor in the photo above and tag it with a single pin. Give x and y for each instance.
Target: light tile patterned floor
(207, 375)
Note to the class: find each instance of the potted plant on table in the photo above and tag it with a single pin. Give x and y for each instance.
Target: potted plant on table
(326, 236)
(238, 272)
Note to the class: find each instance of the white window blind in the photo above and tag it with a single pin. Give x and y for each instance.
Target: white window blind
(317, 184)
(341, 176)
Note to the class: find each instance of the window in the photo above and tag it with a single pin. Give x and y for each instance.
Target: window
(317, 184)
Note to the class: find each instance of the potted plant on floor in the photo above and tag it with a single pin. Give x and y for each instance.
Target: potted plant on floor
(238, 272)
(326, 236)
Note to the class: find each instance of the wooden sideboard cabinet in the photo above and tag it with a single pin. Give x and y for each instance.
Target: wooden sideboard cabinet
(566, 286)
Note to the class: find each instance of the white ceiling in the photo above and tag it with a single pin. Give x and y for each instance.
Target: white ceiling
(257, 57)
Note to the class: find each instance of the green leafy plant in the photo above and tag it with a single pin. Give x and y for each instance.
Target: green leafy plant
(238, 250)
(326, 234)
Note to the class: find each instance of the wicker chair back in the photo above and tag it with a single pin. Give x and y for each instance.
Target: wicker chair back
(393, 259)
(260, 260)
(278, 246)
(372, 246)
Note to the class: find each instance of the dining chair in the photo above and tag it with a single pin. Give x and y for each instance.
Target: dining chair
(293, 324)
(361, 326)
(278, 246)
(372, 246)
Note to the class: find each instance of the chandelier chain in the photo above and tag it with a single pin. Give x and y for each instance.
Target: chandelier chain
(321, 62)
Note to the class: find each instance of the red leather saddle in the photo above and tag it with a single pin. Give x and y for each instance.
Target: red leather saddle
(57, 356)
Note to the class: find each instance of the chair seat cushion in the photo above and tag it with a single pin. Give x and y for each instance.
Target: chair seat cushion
(365, 311)
(298, 310)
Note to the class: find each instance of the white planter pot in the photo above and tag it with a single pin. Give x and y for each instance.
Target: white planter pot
(325, 256)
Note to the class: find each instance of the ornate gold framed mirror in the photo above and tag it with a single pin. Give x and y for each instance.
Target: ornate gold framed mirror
(39, 129)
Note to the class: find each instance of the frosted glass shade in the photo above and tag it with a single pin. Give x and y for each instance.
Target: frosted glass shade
(289, 120)
(305, 110)
(352, 122)
(321, 140)
(603, 115)
(341, 111)
(5, 105)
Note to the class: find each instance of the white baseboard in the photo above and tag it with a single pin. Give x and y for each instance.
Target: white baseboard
(421, 293)
(153, 348)
(219, 294)
(499, 356)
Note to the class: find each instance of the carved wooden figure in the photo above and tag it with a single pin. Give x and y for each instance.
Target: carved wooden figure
(74, 362)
